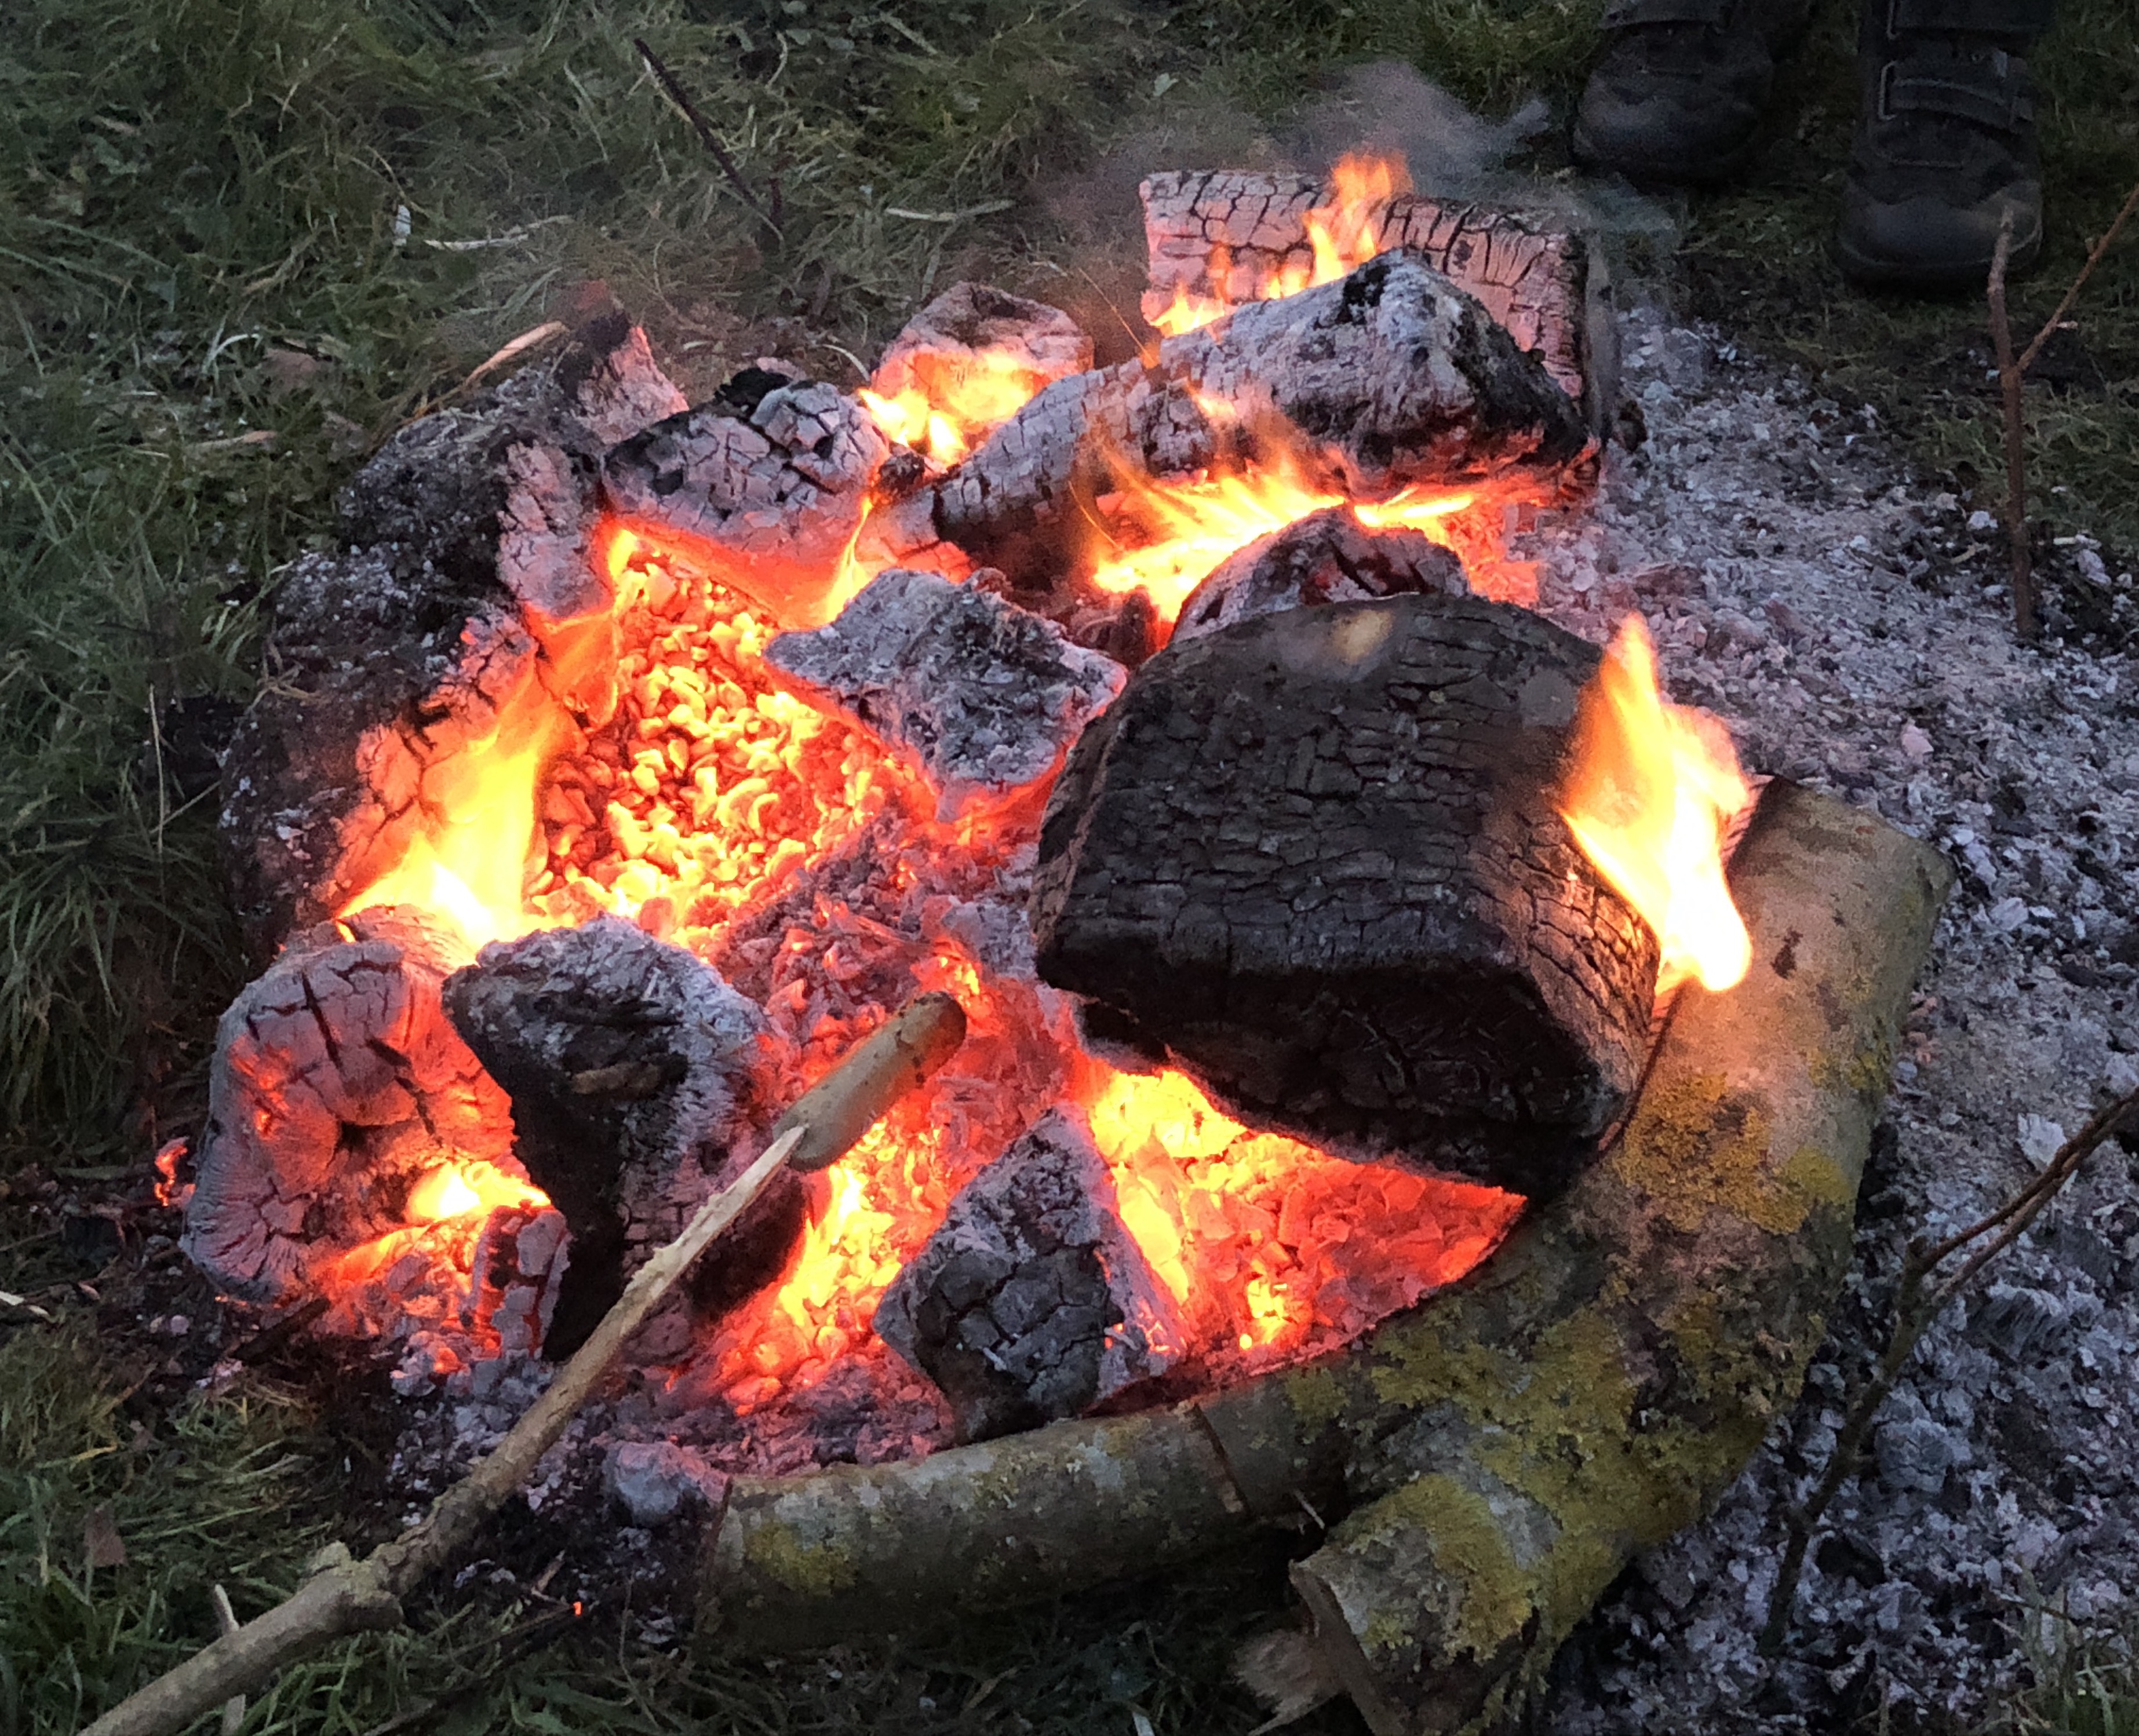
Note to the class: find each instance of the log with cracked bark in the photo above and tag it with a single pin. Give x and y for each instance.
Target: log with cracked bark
(1388, 377)
(1596, 1385)
(337, 1083)
(1031, 1302)
(630, 1065)
(464, 596)
(1227, 235)
(1314, 858)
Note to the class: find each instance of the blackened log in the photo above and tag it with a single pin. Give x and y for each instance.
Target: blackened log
(1327, 557)
(1031, 1302)
(1385, 378)
(466, 588)
(1315, 856)
(770, 481)
(979, 698)
(629, 1065)
(1227, 235)
(337, 1084)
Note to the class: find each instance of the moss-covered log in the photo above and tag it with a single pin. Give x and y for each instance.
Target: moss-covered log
(1609, 1374)
(1508, 1444)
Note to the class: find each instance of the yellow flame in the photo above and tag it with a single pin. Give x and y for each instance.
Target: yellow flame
(1653, 789)
(453, 1190)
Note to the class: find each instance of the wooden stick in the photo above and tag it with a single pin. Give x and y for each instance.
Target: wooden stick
(708, 138)
(2015, 432)
(351, 1596)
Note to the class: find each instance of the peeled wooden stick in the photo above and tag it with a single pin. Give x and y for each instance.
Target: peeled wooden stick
(349, 1596)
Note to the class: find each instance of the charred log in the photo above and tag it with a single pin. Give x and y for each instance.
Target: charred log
(629, 1064)
(1226, 235)
(1390, 376)
(1327, 557)
(466, 595)
(337, 1082)
(972, 335)
(978, 696)
(772, 478)
(1314, 855)
(1031, 1303)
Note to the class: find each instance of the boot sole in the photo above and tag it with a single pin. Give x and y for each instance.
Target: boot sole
(1874, 271)
(1713, 171)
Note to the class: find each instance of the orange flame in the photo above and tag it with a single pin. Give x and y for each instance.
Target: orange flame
(1343, 232)
(955, 402)
(1653, 792)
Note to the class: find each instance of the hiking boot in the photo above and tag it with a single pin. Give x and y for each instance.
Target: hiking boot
(1676, 93)
(1946, 143)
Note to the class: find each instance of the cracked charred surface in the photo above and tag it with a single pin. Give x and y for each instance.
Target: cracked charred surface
(979, 698)
(464, 579)
(1326, 557)
(1031, 1302)
(973, 327)
(773, 472)
(337, 1081)
(1314, 858)
(1391, 376)
(1228, 233)
(630, 1066)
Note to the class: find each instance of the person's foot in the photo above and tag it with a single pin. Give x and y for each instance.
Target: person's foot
(1676, 93)
(1944, 147)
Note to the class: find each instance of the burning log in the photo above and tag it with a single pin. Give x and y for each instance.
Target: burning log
(1314, 858)
(630, 1065)
(979, 698)
(1031, 1303)
(1327, 557)
(1385, 378)
(1232, 236)
(465, 612)
(772, 478)
(338, 1085)
(1513, 1439)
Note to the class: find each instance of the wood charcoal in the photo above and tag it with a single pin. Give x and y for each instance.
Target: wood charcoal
(337, 1084)
(1327, 557)
(1227, 234)
(465, 592)
(772, 479)
(629, 1065)
(971, 335)
(1388, 377)
(979, 698)
(1314, 857)
(1031, 1302)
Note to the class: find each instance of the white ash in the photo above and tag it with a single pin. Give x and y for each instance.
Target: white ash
(979, 697)
(1855, 632)
(654, 1480)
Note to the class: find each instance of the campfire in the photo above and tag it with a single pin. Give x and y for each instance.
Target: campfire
(758, 744)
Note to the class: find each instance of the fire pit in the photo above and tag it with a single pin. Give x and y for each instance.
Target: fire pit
(635, 760)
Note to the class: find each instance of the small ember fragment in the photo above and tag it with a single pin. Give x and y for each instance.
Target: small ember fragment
(1032, 1302)
(1327, 557)
(977, 694)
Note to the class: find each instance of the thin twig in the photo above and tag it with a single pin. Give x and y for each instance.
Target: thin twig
(2016, 456)
(2093, 259)
(708, 138)
(1917, 1304)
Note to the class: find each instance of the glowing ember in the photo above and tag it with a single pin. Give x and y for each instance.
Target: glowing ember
(1344, 232)
(955, 402)
(454, 1190)
(170, 1191)
(1653, 789)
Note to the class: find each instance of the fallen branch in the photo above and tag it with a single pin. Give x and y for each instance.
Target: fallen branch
(712, 140)
(351, 1596)
(1918, 1302)
(2012, 374)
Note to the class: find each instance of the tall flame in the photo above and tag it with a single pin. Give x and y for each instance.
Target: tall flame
(1653, 789)
(954, 402)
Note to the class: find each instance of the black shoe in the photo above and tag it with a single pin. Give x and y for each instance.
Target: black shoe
(1946, 143)
(1677, 92)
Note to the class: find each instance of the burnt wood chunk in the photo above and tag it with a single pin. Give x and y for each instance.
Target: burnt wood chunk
(1327, 557)
(979, 698)
(1226, 235)
(629, 1064)
(971, 336)
(771, 477)
(1314, 857)
(1388, 377)
(1031, 1302)
(337, 1084)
